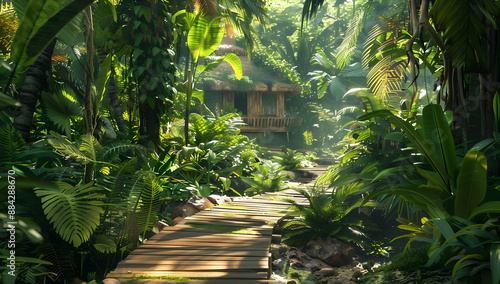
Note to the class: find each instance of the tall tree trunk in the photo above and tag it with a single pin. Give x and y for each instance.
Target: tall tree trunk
(35, 82)
(89, 73)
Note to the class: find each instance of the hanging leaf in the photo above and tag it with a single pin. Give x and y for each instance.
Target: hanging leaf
(205, 36)
(36, 14)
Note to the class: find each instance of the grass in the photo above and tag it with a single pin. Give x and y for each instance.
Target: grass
(225, 229)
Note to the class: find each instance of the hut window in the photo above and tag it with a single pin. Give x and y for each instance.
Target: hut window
(269, 104)
(240, 102)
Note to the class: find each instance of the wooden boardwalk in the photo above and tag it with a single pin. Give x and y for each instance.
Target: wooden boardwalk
(227, 244)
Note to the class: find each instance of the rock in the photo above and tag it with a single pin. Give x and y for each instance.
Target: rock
(111, 281)
(160, 225)
(177, 212)
(200, 203)
(357, 273)
(178, 220)
(331, 251)
(189, 209)
(291, 282)
(326, 272)
(302, 261)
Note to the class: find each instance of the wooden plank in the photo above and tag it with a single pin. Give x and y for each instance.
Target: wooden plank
(199, 274)
(191, 264)
(153, 258)
(180, 243)
(216, 281)
(197, 252)
(126, 265)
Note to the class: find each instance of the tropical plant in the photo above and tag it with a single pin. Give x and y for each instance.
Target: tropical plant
(267, 178)
(290, 160)
(204, 36)
(328, 214)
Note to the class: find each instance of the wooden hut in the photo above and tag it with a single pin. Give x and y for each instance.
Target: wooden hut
(258, 96)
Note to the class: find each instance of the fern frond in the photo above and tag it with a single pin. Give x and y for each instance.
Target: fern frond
(90, 146)
(65, 148)
(385, 77)
(149, 204)
(74, 211)
(11, 143)
(348, 45)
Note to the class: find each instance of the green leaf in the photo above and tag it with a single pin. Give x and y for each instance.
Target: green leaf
(486, 208)
(36, 14)
(53, 25)
(204, 37)
(471, 188)
(8, 101)
(495, 262)
(104, 244)
(61, 106)
(235, 62)
(73, 211)
(102, 80)
(438, 137)
(198, 94)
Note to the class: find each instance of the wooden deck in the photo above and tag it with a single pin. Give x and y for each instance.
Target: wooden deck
(228, 244)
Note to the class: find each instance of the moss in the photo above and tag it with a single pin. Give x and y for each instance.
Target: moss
(411, 260)
(225, 229)
(301, 276)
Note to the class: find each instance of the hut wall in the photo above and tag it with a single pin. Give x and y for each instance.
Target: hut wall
(227, 99)
(280, 105)
(254, 106)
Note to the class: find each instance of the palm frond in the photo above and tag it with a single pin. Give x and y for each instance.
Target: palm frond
(74, 211)
(60, 107)
(385, 77)
(348, 45)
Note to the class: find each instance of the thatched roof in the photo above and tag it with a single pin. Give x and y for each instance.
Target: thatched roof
(262, 81)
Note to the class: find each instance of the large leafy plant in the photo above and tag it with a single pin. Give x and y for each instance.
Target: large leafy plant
(328, 215)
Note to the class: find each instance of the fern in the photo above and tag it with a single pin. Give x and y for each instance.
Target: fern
(11, 143)
(65, 148)
(74, 211)
(149, 204)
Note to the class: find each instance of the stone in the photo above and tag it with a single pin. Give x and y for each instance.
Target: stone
(302, 261)
(326, 272)
(200, 203)
(177, 212)
(178, 220)
(331, 251)
(111, 281)
(189, 209)
(291, 282)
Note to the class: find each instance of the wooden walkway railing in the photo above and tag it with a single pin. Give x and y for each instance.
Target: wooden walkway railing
(228, 244)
